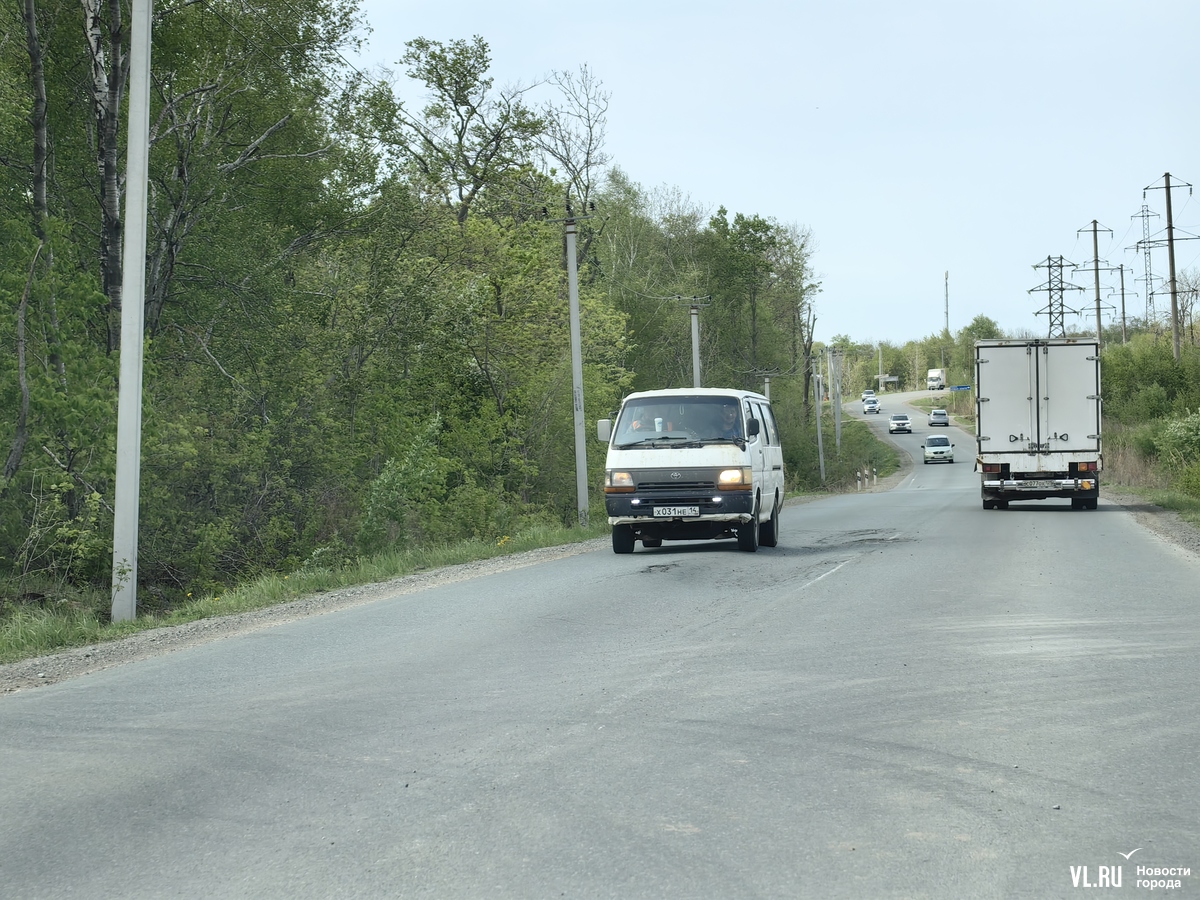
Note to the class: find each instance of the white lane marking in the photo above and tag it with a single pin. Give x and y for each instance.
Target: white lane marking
(825, 575)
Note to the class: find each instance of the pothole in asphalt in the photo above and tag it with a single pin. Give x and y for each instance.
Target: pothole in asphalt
(865, 536)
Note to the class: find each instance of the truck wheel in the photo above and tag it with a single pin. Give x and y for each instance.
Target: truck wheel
(651, 542)
(768, 535)
(1092, 502)
(1077, 503)
(622, 538)
(747, 534)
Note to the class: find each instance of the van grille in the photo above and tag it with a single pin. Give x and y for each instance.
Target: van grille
(676, 486)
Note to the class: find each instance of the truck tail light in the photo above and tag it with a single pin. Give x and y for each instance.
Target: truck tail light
(1087, 467)
(992, 468)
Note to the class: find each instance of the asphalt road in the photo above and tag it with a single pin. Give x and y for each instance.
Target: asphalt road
(908, 697)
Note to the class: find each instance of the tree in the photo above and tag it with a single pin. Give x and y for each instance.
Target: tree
(468, 136)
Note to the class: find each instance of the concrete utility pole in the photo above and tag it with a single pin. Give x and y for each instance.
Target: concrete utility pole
(820, 399)
(1175, 327)
(1124, 336)
(127, 491)
(694, 305)
(695, 317)
(835, 395)
(947, 301)
(1096, 228)
(1171, 271)
(581, 480)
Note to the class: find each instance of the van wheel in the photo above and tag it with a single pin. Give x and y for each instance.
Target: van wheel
(622, 538)
(747, 534)
(768, 535)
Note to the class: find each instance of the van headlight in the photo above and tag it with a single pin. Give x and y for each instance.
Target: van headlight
(738, 479)
(617, 482)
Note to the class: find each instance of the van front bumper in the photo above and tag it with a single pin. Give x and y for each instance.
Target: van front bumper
(646, 509)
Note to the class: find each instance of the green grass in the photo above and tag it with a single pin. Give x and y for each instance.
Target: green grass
(28, 630)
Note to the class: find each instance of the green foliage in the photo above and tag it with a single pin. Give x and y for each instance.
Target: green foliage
(66, 539)
(1179, 440)
(1142, 380)
(407, 490)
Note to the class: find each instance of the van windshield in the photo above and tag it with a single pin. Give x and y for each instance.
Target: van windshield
(689, 418)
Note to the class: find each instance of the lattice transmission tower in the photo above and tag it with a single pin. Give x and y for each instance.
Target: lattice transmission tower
(1056, 309)
(1145, 244)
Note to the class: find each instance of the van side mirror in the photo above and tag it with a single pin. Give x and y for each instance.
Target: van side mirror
(752, 427)
(604, 429)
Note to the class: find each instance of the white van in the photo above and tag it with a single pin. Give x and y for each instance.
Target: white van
(693, 464)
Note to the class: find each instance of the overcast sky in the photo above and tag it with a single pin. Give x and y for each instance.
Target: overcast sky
(911, 138)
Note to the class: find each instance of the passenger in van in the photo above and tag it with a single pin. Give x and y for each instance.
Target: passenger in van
(730, 424)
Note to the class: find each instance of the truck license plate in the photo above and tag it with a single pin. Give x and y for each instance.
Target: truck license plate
(674, 512)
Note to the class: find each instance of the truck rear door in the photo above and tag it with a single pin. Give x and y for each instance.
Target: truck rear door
(1068, 397)
(1006, 378)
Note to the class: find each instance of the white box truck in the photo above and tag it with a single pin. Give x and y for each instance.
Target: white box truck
(935, 380)
(1037, 415)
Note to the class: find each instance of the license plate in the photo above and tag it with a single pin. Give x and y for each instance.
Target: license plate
(674, 512)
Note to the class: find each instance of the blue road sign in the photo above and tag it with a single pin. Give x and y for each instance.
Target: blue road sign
(960, 387)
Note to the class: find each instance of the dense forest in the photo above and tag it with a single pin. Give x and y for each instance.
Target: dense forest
(356, 319)
(356, 327)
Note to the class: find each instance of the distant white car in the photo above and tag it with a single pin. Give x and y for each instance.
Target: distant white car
(939, 417)
(871, 405)
(899, 422)
(938, 449)
(867, 394)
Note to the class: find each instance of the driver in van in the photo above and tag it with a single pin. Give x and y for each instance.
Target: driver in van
(730, 424)
(644, 420)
